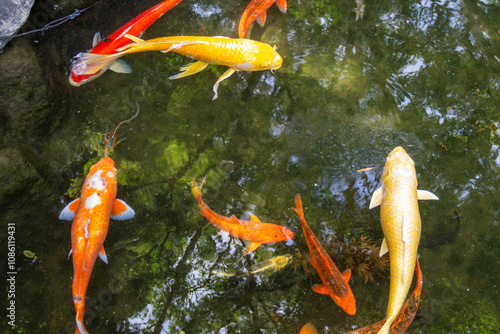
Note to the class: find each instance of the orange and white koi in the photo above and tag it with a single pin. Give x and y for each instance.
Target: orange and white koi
(237, 54)
(406, 314)
(400, 218)
(254, 231)
(256, 11)
(90, 215)
(116, 40)
(335, 284)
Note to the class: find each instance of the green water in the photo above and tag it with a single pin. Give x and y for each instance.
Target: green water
(422, 75)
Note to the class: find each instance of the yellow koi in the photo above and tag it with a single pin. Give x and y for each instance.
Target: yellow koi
(270, 266)
(400, 219)
(238, 54)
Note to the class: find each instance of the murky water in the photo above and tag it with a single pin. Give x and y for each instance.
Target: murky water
(419, 74)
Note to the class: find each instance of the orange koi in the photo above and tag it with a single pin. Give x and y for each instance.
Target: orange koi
(406, 314)
(309, 329)
(90, 215)
(237, 54)
(254, 231)
(335, 284)
(256, 11)
(116, 40)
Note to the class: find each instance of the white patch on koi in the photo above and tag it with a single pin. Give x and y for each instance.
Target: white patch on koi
(92, 201)
(86, 229)
(97, 182)
(110, 174)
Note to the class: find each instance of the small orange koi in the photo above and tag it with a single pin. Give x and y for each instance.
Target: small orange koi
(254, 231)
(335, 284)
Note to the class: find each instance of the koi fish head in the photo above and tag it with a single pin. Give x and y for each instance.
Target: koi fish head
(399, 164)
(348, 303)
(106, 164)
(287, 234)
(267, 58)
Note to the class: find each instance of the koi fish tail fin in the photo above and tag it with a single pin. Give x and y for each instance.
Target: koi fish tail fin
(80, 328)
(90, 63)
(197, 190)
(387, 326)
(298, 206)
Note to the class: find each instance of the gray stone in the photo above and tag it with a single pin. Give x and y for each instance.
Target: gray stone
(13, 14)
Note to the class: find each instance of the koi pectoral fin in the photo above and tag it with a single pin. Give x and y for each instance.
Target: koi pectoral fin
(120, 66)
(376, 198)
(121, 210)
(226, 75)
(68, 213)
(251, 246)
(426, 195)
(189, 70)
(320, 288)
(282, 5)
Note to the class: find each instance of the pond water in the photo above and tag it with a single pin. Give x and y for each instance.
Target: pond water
(423, 75)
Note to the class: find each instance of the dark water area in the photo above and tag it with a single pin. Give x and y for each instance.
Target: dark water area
(424, 75)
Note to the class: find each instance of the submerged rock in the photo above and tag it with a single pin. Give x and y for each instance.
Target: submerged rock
(13, 14)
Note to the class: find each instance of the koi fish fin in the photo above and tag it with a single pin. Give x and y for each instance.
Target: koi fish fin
(385, 329)
(91, 63)
(97, 38)
(234, 220)
(313, 263)
(404, 238)
(134, 38)
(189, 70)
(261, 20)
(384, 248)
(120, 66)
(309, 329)
(281, 5)
(180, 44)
(70, 252)
(346, 274)
(121, 210)
(376, 198)
(254, 218)
(320, 288)
(103, 256)
(426, 195)
(68, 213)
(246, 66)
(251, 246)
(80, 328)
(226, 75)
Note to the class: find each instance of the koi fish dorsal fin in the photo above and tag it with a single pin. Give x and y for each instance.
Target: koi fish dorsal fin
(376, 198)
(313, 263)
(384, 248)
(68, 213)
(346, 274)
(121, 210)
(234, 220)
(261, 20)
(254, 218)
(426, 195)
(190, 69)
(320, 288)
(120, 66)
(251, 246)
(103, 256)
